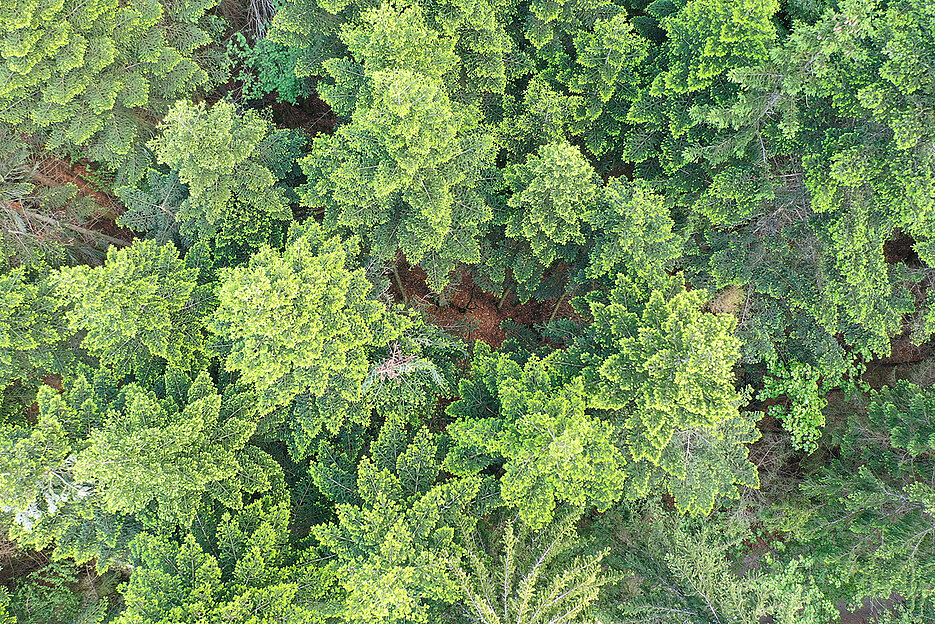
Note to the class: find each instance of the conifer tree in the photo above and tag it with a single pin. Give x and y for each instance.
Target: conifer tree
(406, 172)
(36, 476)
(607, 58)
(152, 206)
(31, 328)
(144, 454)
(103, 462)
(393, 548)
(551, 450)
(709, 37)
(143, 303)
(532, 578)
(222, 157)
(552, 191)
(868, 516)
(246, 572)
(667, 375)
(299, 324)
(80, 73)
(633, 235)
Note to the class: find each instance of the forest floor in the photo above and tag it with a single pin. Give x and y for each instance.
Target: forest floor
(472, 313)
(53, 172)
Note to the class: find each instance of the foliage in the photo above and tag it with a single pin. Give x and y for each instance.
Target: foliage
(152, 206)
(804, 418)
(254, 578)
(268, 67)
(867, 517)
(300, 324)
(708, 37)
(62, 593)
(5, 616)
(30, 328)
(143, 303)
(406, 172)
(219, 155)
(392, 548)
(138, 453)
(550, 448)
(667, 373)
(536, 580)
(680, 569)
(634, 235)
(78, 72)
(232, 417)
(550, 191)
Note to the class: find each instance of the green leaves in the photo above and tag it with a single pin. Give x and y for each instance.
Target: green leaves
(145, 453)
(30, 327)
(667, 375)
(533, 579)
(301, 321)
(393, 549)
(676, 367)
(633, 235)
(35, 469)
(406, 172)
(134, 307)
(552, 451)
(803, 419)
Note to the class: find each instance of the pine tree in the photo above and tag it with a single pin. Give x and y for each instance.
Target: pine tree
(552, 191)
(407, 172)
(633, 235)
(144, 453)
(31, 328)
(709, 37)
(667, 375)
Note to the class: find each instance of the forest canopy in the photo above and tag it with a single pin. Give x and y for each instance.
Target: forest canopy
(467, 311)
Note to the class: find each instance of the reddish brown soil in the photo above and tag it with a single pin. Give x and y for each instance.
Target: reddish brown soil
(54, 172)
(57, 172)
(903, 351)
(472, 313)
(311, 114)
(899, 249)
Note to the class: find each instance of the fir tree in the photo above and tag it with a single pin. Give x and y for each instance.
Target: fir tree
(219, 154)
(299, 324)
(141, 304)
(79, 73)
(551, 449)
